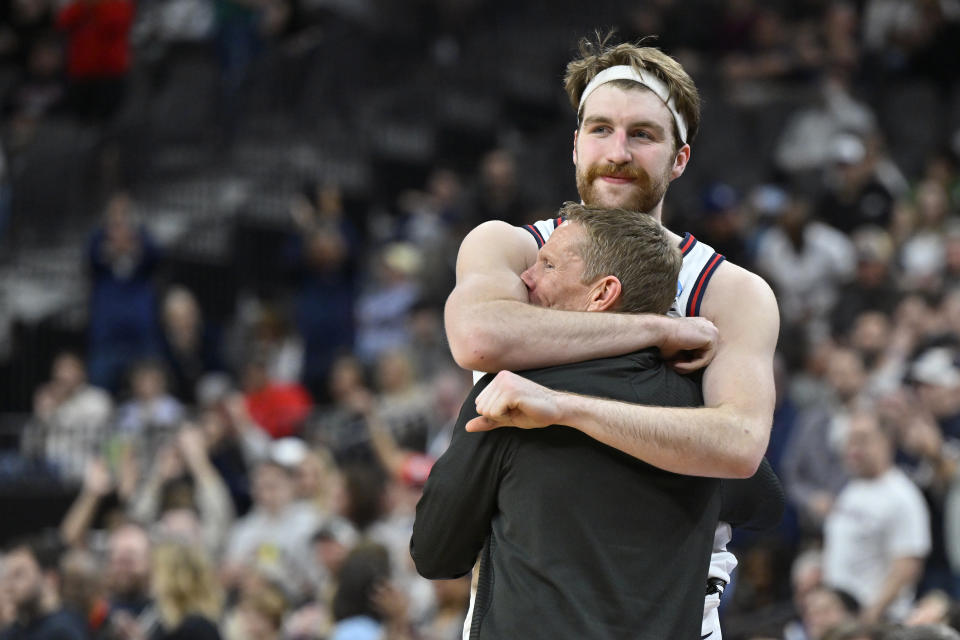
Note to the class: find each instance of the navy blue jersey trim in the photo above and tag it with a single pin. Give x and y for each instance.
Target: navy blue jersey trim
(700, 286)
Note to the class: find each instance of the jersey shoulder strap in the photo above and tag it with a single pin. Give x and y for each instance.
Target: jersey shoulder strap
(541, 230)
(700, 262)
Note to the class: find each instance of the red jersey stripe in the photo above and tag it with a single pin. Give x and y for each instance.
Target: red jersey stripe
(693, 304)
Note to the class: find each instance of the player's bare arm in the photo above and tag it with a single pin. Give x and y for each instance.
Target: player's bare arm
(491, 327)
(726, 438)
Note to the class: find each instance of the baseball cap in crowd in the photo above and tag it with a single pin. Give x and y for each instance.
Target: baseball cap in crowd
(288, 452)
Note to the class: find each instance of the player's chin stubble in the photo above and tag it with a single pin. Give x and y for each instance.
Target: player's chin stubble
(644, 195)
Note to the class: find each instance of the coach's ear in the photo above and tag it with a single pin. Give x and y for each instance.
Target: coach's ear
(605, 294)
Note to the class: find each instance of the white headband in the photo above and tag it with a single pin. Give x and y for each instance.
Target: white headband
(650, 81)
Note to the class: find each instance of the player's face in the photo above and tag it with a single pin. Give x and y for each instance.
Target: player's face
(624, 150)
(554, 280)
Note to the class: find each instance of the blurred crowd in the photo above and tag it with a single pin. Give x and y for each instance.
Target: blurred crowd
(255, 477)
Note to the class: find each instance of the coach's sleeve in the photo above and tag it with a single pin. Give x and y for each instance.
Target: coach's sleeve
(460, 498)
(755, 503)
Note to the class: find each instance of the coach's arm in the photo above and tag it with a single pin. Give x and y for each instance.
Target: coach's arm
(459, 500)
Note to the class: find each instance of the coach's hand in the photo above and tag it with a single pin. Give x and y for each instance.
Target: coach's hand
(513, 401)
(690, 345)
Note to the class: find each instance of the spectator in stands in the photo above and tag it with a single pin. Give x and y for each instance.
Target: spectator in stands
(31, 580)
(826, 609)
(936, 376)
(806, 574)
(339, 426)
(855, 196)
(355, 610)
(805, 261)
(81, 587)
(406, 473)
(71, 419)
(151, 405)
(322, 261)
(188, 595)
(275, 535)
(259, 612)
(123, 325)
(428, 348)
(808, 141)
(383, 311)
(452, 601)
(404, 400)
(146, 421)
(279, 342)
(934, 607)
(813, 469)
(191, 347)
(872, 287)
(724, 224)
(277, 408)
(98, 55)
(498, 194)
(432, 219)
(878, 532)
(128, 571)
(923, 255)
(185, 495)
(331, 546)
(98, 484)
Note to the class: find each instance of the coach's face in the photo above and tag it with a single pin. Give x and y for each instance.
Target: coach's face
(555, 279)
(624, 150)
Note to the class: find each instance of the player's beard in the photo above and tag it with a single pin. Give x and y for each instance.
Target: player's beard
(643, 194)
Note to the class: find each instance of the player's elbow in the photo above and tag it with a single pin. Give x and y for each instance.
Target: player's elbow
(751, 452)
(745, 458)
(476, 347)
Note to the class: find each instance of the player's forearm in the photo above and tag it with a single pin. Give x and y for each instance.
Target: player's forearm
(714, 442)
(506, 334)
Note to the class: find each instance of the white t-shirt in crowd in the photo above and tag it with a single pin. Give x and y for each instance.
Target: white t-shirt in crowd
(874, 522)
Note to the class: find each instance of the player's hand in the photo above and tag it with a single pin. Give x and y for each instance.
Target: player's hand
(690, 345)
(513, 401)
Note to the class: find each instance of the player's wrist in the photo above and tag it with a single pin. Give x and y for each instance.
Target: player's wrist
(659, 329)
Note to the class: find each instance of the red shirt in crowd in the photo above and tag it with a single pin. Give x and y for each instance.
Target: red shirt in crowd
(279, 408)
(98, 33)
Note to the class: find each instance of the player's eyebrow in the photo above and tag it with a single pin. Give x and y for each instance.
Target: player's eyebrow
(639, 124)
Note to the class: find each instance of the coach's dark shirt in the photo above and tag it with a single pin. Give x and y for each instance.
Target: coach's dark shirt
(577, 540)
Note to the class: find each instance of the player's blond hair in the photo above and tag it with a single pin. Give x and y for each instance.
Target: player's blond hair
(597, 55)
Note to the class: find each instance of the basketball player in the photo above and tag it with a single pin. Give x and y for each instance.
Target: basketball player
(637, 113)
